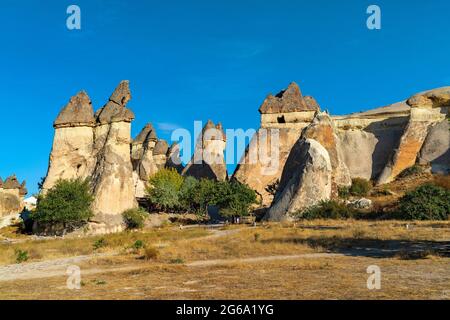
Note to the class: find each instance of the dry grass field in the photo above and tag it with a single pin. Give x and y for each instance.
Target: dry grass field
(306, 260)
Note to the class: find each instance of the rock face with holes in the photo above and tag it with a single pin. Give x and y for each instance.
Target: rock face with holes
(306, 180)
(208, 160)
(283, 117)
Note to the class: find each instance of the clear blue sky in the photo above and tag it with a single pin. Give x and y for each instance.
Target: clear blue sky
(194, 60)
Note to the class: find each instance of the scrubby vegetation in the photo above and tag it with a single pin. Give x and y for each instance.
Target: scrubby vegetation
(359, 188)
(68, 204)
(135, 218)
(411, 171)
(330, 209)
(169, 191)
(427, 202)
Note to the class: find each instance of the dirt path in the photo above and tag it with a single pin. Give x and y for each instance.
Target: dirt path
(207, 263)
(58, 267)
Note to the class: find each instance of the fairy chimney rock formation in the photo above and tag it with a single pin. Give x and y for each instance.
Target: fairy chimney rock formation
(208, 160)
(72, 154)
(12, 194)
(283, 118)
(112, 177)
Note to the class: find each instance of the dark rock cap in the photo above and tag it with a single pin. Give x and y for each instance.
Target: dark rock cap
(11, 183)
(436, 98)
(115, 109)
(78, 112)
(289, 100)
(161, 148)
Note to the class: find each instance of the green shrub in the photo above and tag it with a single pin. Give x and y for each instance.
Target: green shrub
(360, 187)
(99, 243)
(67, 203)
(139, 244)
(21, 256)
(427, 202)
(163, 189)
(134, 218)
(327, 210)
(411, 171)
(344, 192)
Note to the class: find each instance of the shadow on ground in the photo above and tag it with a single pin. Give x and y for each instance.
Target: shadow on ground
(374, 248)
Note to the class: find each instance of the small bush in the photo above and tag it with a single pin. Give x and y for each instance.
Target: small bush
(139, 244)
(100, 243)
(257, 236)
(344, 192)
(427, 202)
(151, 253)
(21, 256)
(134, 218)
(177, 261)
(411, 171)
(327, 210)
(67, 203)
(164, 188)
(360, 187)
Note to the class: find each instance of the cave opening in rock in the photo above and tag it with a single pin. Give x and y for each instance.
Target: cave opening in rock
(281, 119)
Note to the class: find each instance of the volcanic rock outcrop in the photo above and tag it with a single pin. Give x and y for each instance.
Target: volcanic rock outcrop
(96, 147)
(306, 180)
(11, 196)
(112, 177)
(283, 117)
(208, 160)
(375, 145)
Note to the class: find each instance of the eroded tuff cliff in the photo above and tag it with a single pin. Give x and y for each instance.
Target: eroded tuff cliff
(377, 144)
(283, 117)
(299, 154)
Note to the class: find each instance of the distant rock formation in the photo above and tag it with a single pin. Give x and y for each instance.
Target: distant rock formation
(12, 194)
(208, 160)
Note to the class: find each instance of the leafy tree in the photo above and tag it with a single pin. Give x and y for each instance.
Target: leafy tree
(68, 202)
(188, 197)
(427, 202)
(238, 200)
(163, 189)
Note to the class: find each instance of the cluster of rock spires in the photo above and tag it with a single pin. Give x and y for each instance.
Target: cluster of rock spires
(317, 153)
(12, 194)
